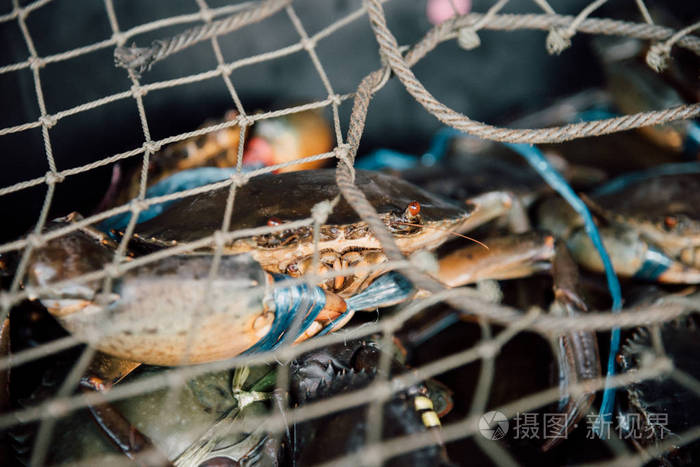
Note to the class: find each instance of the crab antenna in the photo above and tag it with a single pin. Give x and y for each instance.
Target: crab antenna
(456, 234)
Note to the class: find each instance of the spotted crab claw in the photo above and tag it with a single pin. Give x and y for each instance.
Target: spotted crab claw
(173, 311)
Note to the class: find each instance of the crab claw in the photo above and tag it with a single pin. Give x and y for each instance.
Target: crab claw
(172, 311)
(632, 256)
(508, 257)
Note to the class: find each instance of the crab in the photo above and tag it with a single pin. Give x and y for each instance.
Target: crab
(192, 429)
(417, 219)
(198, 427)
(135, 322)
(272, 141)
(651, 224)
(340, 368)
(657, 411)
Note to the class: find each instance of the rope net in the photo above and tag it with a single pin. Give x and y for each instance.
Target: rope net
(499, 324)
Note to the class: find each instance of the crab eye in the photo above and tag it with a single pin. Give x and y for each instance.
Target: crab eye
(413, 208)
(621, 360)
(274, 222)
(292, 268)
(670, 222)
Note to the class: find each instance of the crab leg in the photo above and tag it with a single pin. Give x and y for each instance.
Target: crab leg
(105, 371)
(633, 256)
(578, 356)
(507, 257)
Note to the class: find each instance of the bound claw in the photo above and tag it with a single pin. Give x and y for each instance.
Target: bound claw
(238, 310)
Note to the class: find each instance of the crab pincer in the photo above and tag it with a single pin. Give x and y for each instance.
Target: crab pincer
(172, 311)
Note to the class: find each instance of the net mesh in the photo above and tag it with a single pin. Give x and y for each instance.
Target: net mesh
(208, 24)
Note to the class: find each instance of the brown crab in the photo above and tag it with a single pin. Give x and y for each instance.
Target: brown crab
(417, 219)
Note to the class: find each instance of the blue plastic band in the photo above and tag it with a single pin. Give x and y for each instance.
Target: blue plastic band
(387, 158)
(388, 289)
(622, 182)
(439, 145)
(181, 181)
(395, 160)
(691, 145)
(289, 302)
(655, 264)
(537, 160)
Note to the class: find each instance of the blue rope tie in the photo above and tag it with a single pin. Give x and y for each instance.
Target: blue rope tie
(622, 182)
(538, 162)
(289, 302)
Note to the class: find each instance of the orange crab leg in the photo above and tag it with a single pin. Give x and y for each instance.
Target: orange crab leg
(105, 371)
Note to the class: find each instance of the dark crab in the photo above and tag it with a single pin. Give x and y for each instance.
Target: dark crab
(198, 427)
(651, 224)
(193, 429)
(659, 410)
(349, 366)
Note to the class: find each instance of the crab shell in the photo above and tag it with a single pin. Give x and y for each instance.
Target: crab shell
(345, 239)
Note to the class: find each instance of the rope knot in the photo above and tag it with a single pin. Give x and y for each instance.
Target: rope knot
(239, 179)
(137, 91)
(138, 205)
(335, 99)
(467, 38)
(36, 63)
(206, 15)
(658, 56)
(48, 120)
(224, 69)
(53, 178)
(112, 270)
(308, 43)
(320, 211)
(151, 147)
(558, 40)
(57, 408)
(35, 240)
(246, 121)
(425, 261)
(342, 152)
(21, 13)
(490, 291)
(488, 350)
(219, 239)
(119, 38)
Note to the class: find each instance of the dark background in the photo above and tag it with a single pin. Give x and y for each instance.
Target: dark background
(508, 75)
